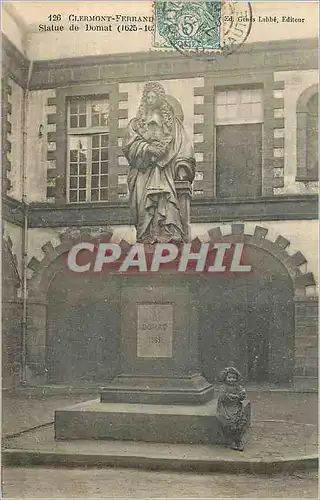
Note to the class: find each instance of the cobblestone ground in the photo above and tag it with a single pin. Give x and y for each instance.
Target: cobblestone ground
(126, 483)
(22, 413)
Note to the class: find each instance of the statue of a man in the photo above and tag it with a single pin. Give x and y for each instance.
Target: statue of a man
(159, 152)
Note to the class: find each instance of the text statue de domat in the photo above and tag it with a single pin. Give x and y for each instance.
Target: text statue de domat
(161, 161)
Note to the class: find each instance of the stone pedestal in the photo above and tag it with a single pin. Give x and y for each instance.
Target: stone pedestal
(189, 390)
(134, 422)
(159, 394)
(159, 347)
(183, 189)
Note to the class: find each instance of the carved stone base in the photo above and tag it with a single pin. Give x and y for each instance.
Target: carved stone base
(192, 424)
(157, 390)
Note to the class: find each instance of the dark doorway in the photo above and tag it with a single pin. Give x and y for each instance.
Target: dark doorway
(239, 160)
(248, 321)
(83, 329)
(245, 320)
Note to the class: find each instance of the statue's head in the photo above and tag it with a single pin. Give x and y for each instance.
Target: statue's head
(154, 98)
(153, 95)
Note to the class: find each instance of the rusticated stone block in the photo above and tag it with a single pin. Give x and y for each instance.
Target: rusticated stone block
(198, 109)
(198, 128)
(305, 280)
(34, 264)
(237, 229)
(215, 234)
(298, 259)
(282, 242)
(122, 114)
(52, 119)
(198, 91)
(259, 234)
(51, 101)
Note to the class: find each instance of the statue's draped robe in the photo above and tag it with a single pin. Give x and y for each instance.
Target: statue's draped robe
(151, 181)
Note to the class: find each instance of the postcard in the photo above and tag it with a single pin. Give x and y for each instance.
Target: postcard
(160, 249)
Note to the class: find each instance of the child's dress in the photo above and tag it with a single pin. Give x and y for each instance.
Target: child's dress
(230, 410)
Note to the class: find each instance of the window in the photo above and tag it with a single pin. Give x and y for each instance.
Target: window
(88, 150)
(239, 106)
(238, 134)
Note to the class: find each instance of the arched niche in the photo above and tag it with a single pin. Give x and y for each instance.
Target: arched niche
(307, 135)
(248, 321)
(11, 318)
(82, 329)
(64, 306)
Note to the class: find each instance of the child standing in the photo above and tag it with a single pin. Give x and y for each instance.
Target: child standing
(230, 411)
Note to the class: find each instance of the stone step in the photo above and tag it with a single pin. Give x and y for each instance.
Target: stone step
(141, 422)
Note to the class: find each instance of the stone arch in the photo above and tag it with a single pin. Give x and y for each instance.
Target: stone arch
(302, 102)
(11, 317)
(38, 284)
(278, 249)
(307, 134)
(10, 275)
(46, 269)
(305, 308)
(42, 275)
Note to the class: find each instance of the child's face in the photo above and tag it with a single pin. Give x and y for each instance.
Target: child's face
(231, 378)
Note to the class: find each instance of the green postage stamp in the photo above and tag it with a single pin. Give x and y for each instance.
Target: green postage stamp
(201, 27)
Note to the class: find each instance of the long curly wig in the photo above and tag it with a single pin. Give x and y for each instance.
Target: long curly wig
(165, 109)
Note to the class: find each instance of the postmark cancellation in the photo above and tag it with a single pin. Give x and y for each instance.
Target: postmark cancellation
(201, 27)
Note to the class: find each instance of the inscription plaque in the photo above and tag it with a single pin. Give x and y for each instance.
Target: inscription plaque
(154, 338)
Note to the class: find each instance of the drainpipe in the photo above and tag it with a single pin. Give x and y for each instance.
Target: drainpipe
(25, 229)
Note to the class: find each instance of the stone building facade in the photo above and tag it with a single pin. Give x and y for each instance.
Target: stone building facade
(253, 119)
